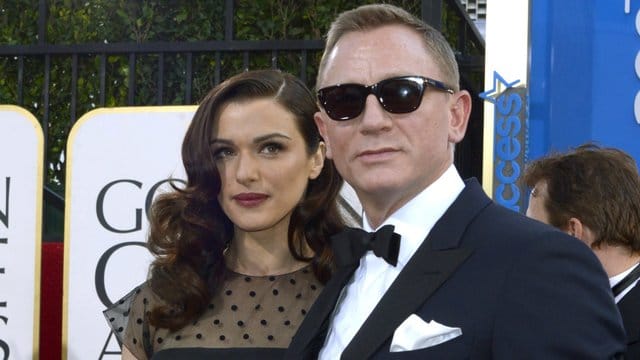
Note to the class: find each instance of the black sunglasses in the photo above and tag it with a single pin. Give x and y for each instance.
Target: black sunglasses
(397, 95)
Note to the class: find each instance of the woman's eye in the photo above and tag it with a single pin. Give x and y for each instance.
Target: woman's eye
(271, 148)
(222, 153)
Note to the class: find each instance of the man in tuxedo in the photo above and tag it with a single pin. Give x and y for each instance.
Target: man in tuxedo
(470, 279)
(593, 193)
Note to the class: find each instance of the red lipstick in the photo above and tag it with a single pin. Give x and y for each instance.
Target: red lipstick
(250, 199)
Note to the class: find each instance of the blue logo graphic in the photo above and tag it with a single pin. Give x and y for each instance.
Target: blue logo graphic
(499, 85)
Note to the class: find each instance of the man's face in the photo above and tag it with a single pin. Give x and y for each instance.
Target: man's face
(387, 157)
(536, 209)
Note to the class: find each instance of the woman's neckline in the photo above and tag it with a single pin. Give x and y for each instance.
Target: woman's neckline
(306, 266)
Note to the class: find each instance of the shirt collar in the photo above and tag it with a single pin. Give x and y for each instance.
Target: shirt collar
(416, 218)
(614, 280)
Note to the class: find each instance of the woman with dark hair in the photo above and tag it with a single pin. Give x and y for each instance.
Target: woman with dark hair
(241, 252)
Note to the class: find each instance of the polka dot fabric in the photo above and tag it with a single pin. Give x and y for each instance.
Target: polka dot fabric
(247, 312)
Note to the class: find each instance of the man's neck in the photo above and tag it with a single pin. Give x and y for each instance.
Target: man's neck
(377, 212)
(379, 206)
(616, 259)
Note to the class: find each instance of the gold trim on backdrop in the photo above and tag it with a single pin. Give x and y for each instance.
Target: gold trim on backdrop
(38, 221)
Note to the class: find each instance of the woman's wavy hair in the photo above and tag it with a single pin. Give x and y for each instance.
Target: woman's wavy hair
(188, 229)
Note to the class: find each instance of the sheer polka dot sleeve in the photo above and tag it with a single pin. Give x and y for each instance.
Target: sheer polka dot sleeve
(129, 323)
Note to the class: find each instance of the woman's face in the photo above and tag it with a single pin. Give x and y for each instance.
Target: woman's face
(263, 163)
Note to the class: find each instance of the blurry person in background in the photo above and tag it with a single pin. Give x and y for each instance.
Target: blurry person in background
(241, 252)
(593, 193)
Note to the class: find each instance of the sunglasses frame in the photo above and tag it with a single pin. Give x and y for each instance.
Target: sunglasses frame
(374, 89)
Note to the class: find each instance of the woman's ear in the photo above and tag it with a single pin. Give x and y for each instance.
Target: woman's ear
(317, 161)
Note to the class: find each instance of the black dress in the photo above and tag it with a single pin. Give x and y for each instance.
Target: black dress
(251, 317)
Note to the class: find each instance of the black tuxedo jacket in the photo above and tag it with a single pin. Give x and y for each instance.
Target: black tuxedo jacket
(629, 307)
(517, 288)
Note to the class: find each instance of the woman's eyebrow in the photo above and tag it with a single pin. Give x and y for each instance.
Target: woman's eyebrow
(262, 138)
(223, 141)
(256, 140)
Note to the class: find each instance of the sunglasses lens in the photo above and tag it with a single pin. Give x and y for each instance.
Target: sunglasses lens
(343, 102)
(400, 95)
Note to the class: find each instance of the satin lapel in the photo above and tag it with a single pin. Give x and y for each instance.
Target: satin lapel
(433, 263)
(306, 342)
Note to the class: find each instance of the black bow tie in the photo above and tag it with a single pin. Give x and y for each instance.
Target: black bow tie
(350, 244)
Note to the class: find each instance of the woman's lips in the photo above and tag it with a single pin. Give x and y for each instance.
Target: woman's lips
(250, 199)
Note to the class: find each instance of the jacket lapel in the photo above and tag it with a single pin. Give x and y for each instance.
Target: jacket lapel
(433, 263)
(309, 338)
(630, 312)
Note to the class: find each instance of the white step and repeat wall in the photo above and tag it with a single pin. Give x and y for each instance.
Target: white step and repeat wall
(21, 176)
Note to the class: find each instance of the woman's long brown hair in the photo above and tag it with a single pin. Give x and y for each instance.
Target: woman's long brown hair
(188, 229)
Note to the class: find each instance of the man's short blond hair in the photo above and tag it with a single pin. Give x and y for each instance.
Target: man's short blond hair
(370, 17)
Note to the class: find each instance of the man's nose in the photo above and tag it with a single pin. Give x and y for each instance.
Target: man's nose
(374, 117)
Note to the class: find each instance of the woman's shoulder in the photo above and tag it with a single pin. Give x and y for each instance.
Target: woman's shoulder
(128, 313)
(141, 293)
(135, 301)
(117, 314)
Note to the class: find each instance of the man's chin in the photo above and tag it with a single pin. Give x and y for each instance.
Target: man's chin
(379, 187)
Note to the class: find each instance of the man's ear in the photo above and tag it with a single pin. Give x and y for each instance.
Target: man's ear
(322, 128)
(575, 228)
(317, 161)
(460, 109)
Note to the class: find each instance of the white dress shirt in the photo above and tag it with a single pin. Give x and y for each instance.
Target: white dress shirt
(614, 280)
(374, 276)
